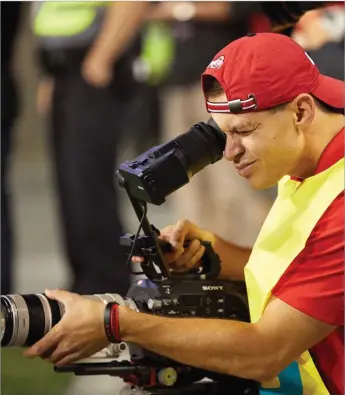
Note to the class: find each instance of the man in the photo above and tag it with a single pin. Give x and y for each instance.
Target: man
(284, 122)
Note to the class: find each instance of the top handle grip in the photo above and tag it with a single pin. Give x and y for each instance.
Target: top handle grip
(210, 262)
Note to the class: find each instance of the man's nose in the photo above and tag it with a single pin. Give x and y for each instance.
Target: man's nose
(233, 148)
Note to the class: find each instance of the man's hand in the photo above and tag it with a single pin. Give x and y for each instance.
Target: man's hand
(44, 96)
(121, 24)
(207, 11)
(183, 259)
(97, 72)
(79, 334)
(232, 256)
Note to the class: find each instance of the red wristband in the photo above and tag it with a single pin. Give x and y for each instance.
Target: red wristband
(111, 322)
(114, 322)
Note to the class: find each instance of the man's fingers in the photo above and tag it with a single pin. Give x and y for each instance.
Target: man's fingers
(166, 238)
(175, 235)
(171, 257)
(138, 259)
(179, 233)
(188, 253)
(60, 352)
(60, 295)
(196, 259)
(191, 262)
(75, 356)
(45, 345)
(166, 232)
(46, 354)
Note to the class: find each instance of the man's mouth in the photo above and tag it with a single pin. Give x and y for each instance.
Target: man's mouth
(244, 169)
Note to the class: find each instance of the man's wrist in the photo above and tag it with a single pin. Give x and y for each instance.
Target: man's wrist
(123, 314)
(184, 11)
(112, 322)
(101, 55)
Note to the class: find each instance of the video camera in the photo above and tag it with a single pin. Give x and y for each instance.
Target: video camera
(150, 178)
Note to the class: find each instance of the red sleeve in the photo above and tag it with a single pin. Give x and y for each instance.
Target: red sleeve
(314, 282)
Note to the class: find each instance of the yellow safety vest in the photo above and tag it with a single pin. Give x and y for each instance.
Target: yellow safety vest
(283, 236)
(64, 18)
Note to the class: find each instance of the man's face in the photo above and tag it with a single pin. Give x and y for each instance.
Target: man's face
(264, 146)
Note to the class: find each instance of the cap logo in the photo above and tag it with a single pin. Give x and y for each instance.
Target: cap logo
(217, 63)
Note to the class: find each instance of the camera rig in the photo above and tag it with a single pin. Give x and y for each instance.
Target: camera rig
(149, 179)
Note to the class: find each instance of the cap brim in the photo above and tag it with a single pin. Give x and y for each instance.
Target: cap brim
(330, 91)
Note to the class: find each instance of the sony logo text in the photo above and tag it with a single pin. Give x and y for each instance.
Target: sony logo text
(212, 287)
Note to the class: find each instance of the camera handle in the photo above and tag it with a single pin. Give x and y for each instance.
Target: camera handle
(153, 249)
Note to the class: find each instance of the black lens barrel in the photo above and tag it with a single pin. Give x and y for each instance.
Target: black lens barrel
(202, 145)
(34, 319)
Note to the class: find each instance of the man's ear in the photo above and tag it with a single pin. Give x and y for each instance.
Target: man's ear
(303, 107)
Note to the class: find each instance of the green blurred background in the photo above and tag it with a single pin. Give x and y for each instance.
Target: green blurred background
(23, 376)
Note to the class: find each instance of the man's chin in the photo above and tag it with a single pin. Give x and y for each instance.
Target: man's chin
(260, 183)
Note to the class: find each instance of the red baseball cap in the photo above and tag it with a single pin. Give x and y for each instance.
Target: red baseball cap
(262, 70)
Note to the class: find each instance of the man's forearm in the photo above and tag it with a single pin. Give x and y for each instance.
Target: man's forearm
(233, 257)
(221, 346)
(121, 24)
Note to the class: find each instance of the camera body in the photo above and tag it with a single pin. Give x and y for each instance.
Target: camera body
(203, 298)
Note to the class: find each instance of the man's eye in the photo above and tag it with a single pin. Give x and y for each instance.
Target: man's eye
(243, 132)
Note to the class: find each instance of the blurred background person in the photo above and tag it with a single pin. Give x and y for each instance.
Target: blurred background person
(86, 49)
(321, 32)
(143, 130)
(10, 20)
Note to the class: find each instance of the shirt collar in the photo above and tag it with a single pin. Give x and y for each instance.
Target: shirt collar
(333, 152)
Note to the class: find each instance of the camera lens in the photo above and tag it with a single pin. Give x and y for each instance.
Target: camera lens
(202, 145)
(2, 324)
(6, 323)
(25, 319)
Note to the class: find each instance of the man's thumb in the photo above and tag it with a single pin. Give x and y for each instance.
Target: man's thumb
(59, 295)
